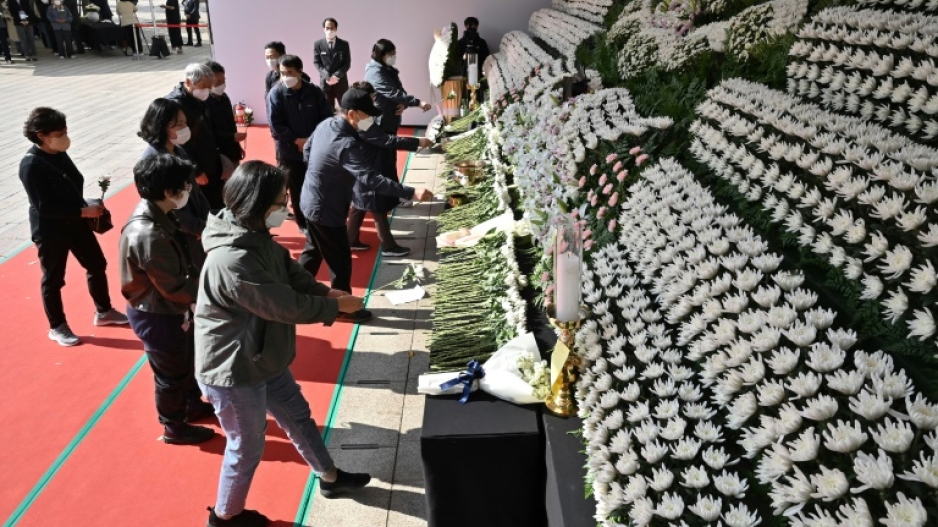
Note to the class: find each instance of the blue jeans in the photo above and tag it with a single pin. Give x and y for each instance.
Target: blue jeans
(241, 411)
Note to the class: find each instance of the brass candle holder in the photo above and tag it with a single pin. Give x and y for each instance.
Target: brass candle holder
(473, 102)
(561, 401)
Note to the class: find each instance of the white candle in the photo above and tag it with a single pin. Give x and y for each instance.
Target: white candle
(473, 74)
(567, 288)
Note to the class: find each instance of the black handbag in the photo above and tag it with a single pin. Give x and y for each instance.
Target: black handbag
(99, 225)
(158, 47)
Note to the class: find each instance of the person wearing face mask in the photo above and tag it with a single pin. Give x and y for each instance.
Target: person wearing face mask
(333, 60)
(272, 53)
(173, 18)
(471, 42)
(160, 284)
(251, 297)
(24, 16)
(165, 130)
(202, 147)
(294, 110)
(57, 218)
(337, 160)
(392, 100)
(61, 20)
(222, 118)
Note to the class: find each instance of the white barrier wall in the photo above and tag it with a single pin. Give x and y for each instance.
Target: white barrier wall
(240, 29)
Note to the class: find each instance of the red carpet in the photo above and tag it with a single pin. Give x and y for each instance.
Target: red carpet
(120, 474)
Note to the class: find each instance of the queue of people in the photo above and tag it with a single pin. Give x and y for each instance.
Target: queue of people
(210, 293)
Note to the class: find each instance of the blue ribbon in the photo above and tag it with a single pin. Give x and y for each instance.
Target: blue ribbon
(473, 371)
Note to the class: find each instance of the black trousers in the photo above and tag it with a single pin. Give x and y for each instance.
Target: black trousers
(214, 193)
(63, 40)
(296, 174)
(169, 350)
(175, 36)
(198, 33)
(76, 34)
(78, 239)
(330, 244)
(130, 34)
(382, 225)
(334, 93)
(5, 44)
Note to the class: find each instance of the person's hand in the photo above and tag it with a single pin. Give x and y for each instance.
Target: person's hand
(425, 143)
(94, 211)
(425, 106)
(423, 194)
(240, 136)
(350, 304)
(300, 143)
(333, 80)
(336, 293)
(201, 179)
(400, 109)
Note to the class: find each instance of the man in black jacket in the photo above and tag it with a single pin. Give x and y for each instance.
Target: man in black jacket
(294, 110)
(272, 52)
(191, 95)
(471, 42)
(192, 17)
(337, 160)
(333, 60)
(222, 119)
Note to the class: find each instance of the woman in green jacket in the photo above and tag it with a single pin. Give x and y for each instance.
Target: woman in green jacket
(251, 296)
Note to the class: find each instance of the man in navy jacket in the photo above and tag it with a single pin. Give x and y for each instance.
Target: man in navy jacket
(294, 109)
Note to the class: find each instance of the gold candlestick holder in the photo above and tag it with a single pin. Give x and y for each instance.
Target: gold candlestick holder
(561, 401)
(473, 103)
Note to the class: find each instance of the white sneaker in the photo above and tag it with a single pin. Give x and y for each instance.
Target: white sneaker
(111, 318)
(64, 336)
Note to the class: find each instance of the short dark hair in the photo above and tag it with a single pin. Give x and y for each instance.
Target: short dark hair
(277, 46)
(216, 67)
(292, 61)
(364, 86)
(251, 191)
(158, 117)
(330, 19)
(155, 175)
(44, 121)
(471, 21)
(382, 48)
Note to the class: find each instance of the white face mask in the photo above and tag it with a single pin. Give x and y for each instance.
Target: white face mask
(330, 34)
(289, 82)
(57, 2)
(60, 144)
(365, 124)
(180, 200)
(391, 61)
(219, 90)
(276, 218)
(182, 136)
(273, 64)
(201, 93)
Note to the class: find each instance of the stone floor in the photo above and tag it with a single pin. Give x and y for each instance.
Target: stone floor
(103, 96)
(379, 417)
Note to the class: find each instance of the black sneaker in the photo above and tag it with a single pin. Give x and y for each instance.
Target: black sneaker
(247, 518)
(198, 410)
(397, 251)
(344, 483)
(362, 315)
(187, 435)
(359, 246)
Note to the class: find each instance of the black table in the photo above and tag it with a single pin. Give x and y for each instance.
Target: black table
(483, 463)
(98, 35)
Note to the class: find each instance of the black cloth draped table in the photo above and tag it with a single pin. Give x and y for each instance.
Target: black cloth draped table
(99, 35)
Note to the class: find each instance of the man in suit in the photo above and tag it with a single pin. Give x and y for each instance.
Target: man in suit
(333, 60)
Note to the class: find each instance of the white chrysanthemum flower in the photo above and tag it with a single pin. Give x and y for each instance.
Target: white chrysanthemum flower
(820, 408)
(767, 296)
(846, 382)
(923, 325)
(873, 364)
(661, 479)
(896, 262)
(922, 414)
(695, 478)
(784, 360)
(855, 515)
(674, 430)
(831, 484)
(896, 305)
(689, 392)
(820, 318)
(642, 511)
(801, 299)
(872, 287)
(801, 334)
(667, 409)
(740, 516)
(924, 470)
(731, 485)
(741, 410)
(873, 472)
(824, 359)
(896, 385)
(621, 442)
(877, 248)
(635, 489)
(654, 452)
(805, 385)
(781, 316)
(805, 447)
(892, 436)
(647, 432)
(686, 449)
(774, 464)
(628, 464)
(789, 419)
(789, 498)
(772, 393)
(670, 507)
(708, 432)
(630, 393)
(870, 405)
(707, 508)
(923, 279)
(905, 513)
(788, 281)
(716, 458)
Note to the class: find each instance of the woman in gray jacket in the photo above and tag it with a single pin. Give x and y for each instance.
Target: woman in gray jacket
(251, 296)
